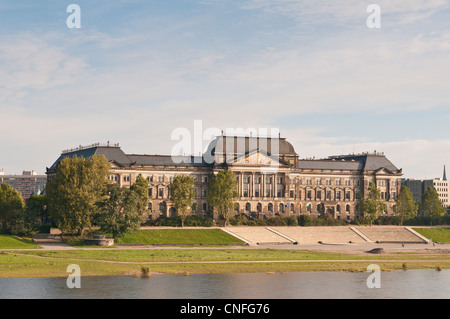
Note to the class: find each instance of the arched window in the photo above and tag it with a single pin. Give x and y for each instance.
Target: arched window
(205, 207)
(247, 207)
(281, 208)
(270, 207)
(347, 208)
(162, 207)
(172, 212)
(338, 208)
(292, 207)
(259, 207)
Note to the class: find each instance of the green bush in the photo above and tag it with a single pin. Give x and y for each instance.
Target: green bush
(176, 221)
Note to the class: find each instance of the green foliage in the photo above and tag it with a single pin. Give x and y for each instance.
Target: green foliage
(431, 205)
(182, 196)
(372, 205)
(119, 211)
(140, 187)
(73, 192)
(271, 221)
(405, 206)
(11, 204)
(326, 220)
(191, 220)
(221, 192)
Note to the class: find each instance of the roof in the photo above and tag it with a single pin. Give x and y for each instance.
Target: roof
(166, 160)
(240, 145)
(112, 153)
(372, 161)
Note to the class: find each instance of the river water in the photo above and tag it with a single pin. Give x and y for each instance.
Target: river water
(409, 284)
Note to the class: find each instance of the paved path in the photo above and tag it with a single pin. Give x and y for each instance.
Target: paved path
(51, 241)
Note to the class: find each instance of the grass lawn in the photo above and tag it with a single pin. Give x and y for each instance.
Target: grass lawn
(35, 263)
(14, 242)
(168, 237)
(440, 235)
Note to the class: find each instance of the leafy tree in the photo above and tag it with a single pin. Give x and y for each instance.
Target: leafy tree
(405, 206)
(119, 211)
(431, 204)
(372, 205)
(140, 187)
(11, 204)
(182, 196)
(221, 192)
(73, 192)
(36, 209)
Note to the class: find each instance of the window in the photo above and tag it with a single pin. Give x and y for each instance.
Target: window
(246, 179)
(279, 180)
(161, 192)
(205, 179)
(258, 180)
(309, 195)
(347, 182)
(328, 181)
(347, 208)
(257, 192)
(160, 178)
(318, 181)
(291, 193)
(204, 207)
(203, 192)
(338, 182)
(338, 195)
(126, 178)
(279, 193)
(292, 207)
(269, 180)
(319, 194)
(347, 195)
(245, 192)
(292, 180)
(247, 207)
(308, 181)
(328, 195)
(259, 207)
(150, 192)
(270, 207)
(281, 208)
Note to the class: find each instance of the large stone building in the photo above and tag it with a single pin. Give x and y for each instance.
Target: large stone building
(272, 179)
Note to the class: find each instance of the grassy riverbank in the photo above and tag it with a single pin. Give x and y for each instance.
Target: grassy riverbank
(38, 263)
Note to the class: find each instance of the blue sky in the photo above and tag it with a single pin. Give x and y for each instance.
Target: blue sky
(137, 70)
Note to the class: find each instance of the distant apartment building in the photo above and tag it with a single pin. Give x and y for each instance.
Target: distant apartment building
(27, 184)
(442, 187)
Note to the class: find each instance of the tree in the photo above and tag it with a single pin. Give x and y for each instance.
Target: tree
(221, 192)
(140, 187)
(431, 204)
(120, 211)
(11, 204)
(36, 209)
(182, 195)
(73, 192)
(405, 206)
(372, 205)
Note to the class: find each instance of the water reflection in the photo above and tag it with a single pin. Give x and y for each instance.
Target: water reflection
(411, 284)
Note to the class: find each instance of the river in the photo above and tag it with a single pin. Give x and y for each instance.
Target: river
(409, 284)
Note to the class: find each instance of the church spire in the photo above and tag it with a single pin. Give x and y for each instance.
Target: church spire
(445, 175)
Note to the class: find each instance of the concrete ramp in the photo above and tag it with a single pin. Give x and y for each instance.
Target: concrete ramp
(391, 234)
(324, 234)
(255, 235)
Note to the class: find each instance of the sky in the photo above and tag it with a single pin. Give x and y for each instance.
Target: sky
(136, 71)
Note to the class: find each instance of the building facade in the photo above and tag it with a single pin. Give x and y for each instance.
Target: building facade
(272, 179)
(27, 184)
(442, 187)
